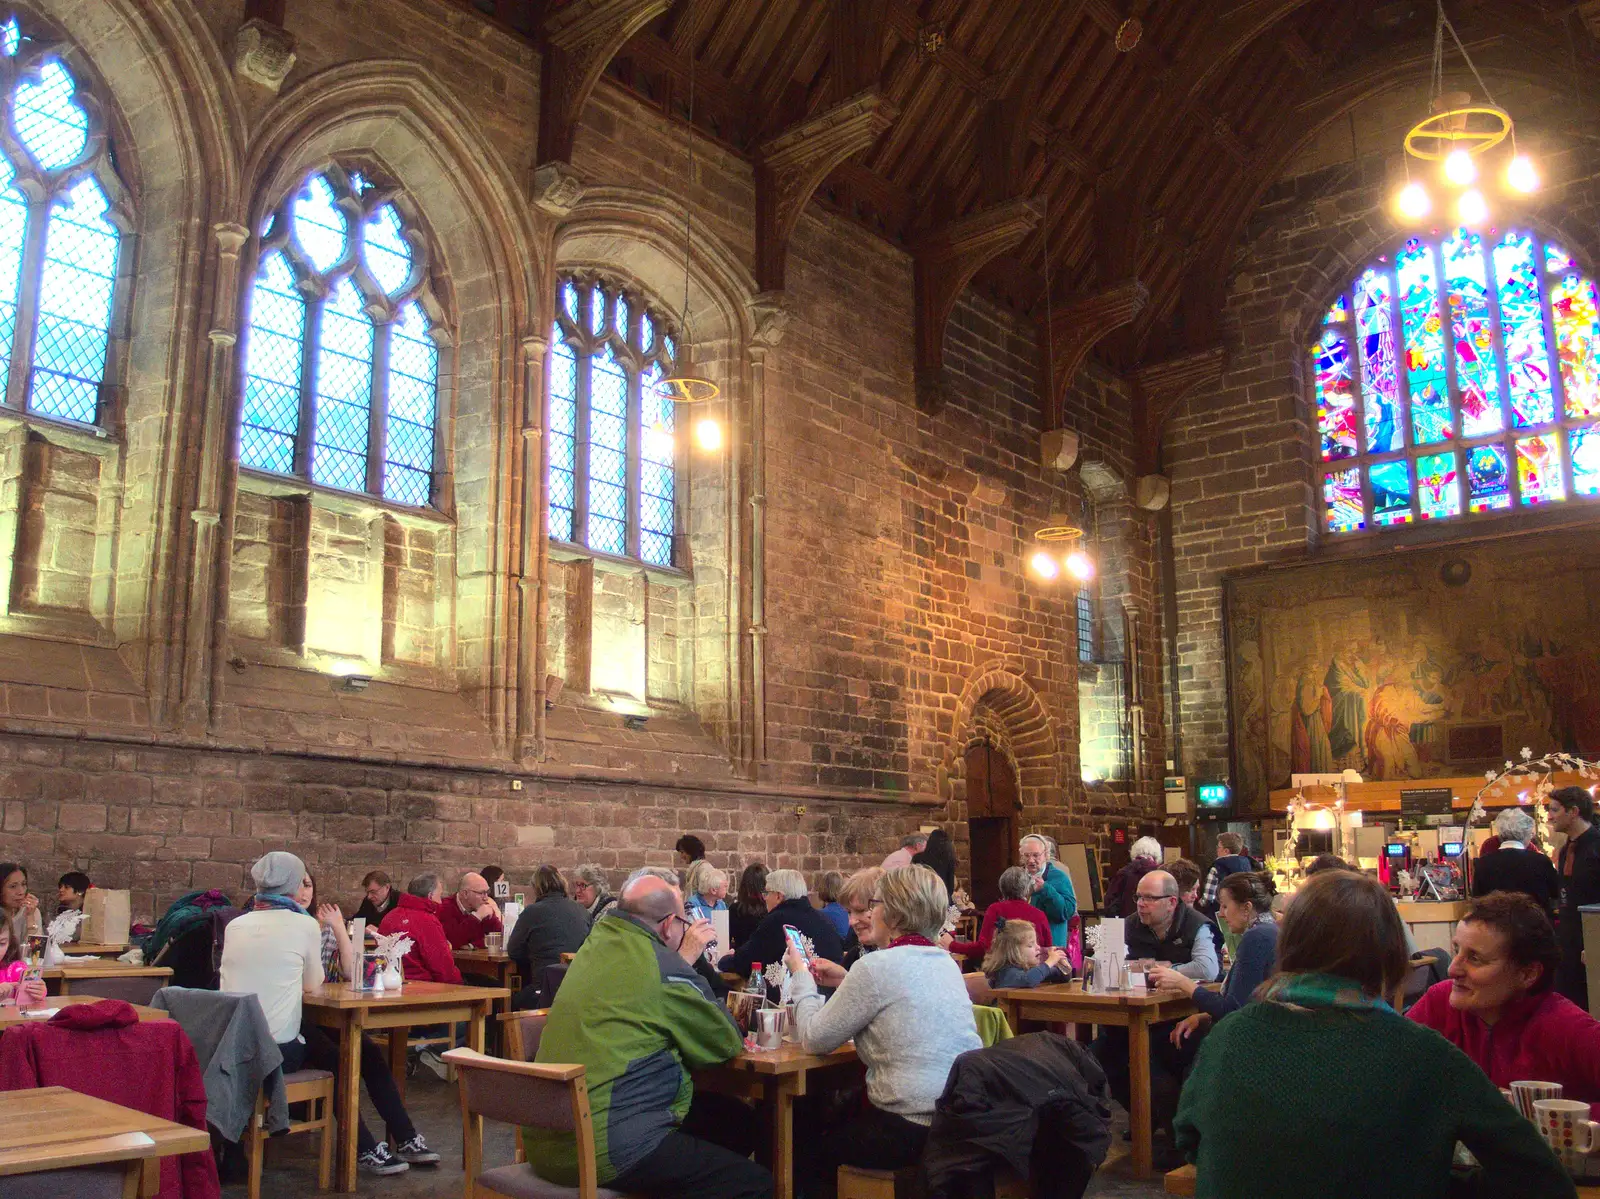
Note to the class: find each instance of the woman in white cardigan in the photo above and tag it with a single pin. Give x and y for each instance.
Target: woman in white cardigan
(907, 1008)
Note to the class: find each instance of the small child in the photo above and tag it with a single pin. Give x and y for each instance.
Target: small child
(1013, 958)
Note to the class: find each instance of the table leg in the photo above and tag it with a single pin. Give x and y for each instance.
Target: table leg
(782, 1091)
(1139, 1086)
(349, 1101)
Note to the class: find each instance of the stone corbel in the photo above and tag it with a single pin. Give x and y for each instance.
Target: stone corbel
(263, 53)
(1076, 327)
(792, 165)
(1158, 389)
(580, 38)
(944, 263)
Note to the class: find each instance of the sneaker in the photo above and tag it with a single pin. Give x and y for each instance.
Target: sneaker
(416, 1152)
(435, 1063)
(381, 1161)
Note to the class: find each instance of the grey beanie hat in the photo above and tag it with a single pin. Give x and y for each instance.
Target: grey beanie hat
(278, 873)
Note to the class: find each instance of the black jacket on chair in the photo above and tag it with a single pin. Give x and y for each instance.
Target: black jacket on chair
(1036, 1104)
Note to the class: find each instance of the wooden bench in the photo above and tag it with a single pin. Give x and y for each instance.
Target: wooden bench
(1180, 1181)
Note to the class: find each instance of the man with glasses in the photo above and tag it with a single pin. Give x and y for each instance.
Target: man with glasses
(469, 913)
(633, 1011)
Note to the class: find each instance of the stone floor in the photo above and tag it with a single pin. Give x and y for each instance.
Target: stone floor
(291, 1169)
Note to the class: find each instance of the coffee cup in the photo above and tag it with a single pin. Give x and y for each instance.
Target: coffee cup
(1528, 1092)
(1566, 1128)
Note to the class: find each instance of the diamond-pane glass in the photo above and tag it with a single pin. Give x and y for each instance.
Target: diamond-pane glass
(1522, 332)
(271, 416)
(13, 231)
(621, 323)
(413, 395)
(344, 391)
(319, 226)
(75, 293)
(597, 309)
(53, 128)
(647, 333)
(608, 454)
(569, 299)
(388, 253)
(11, 36)
(656, 455)
(562, 483)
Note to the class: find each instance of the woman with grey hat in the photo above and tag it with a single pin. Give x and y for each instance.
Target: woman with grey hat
(274, 951)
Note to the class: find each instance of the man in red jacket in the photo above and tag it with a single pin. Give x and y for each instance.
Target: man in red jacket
(417, 915)
(469, 913)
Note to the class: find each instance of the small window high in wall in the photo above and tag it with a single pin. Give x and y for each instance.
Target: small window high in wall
(341, 363)
(59, 234)
(1456, 380)
(613, 453)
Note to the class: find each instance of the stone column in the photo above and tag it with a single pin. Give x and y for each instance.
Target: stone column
(769, 318)
(531, 596)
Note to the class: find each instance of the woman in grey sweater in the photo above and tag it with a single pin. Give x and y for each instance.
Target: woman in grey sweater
(907, 1008)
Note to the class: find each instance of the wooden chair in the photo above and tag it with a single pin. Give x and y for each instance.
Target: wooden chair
(312, 1087)
(554, 1097)
(978, 988)
(131, 990)
(521, 1032)
(1180, 1181)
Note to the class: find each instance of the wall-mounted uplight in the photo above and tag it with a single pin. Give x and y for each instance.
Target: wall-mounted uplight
(356, 682)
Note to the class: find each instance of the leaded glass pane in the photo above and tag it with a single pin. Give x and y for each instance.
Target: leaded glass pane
(1438, 486)
(1539, 470)
(1577, 329)
(1556, 260)
(569, 299)
(1488, 479)
(1341, 499)
(344, 391)
(1522, 332)
(1391, 492)
(1380, 385)
(1477, 375)
(562, 483)
(1337, 420)
(621, 323)
(1338, 313)
(388, 253)
(75, 293)
(11, 36)
(413, 396)
(271, 415)
(647, 333)
(319, 226)
(13, 232)
(1085, 626)
(656, 479)
(1431, 419)
(1585, 450)
(608, 454)
(53, 128)
(597, 309)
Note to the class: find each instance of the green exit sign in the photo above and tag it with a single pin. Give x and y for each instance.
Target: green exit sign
(1213, 795)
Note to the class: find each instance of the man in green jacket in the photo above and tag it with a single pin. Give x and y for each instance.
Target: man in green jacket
(1052, 886)
(635, 1014)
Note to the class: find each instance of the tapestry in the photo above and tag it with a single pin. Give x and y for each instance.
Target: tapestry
(1423, 664)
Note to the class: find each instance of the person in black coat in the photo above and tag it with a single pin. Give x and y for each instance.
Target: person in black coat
(939, 856)
(1516, 867)
(749, 907)
(381, 898)
(788, 902)
(553, 924)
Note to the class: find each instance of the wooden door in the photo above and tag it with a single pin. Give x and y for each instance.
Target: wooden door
(991, 819)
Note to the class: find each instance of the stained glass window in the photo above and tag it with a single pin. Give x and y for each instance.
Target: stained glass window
(613, 436)
(341, 354)
(1085, 624)
(55, 324)
(1458, 378)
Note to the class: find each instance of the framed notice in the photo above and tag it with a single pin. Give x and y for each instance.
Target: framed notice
(1418, 803)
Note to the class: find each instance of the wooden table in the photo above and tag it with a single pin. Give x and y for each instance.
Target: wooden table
(490, 963)
(58, 980)
(12, 1014)
(351, 1013)
(90, 949)
(777, 1077)
(1134, 1010)
(53, 1128)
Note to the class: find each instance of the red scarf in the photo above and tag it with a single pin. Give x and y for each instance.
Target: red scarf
(909, 939)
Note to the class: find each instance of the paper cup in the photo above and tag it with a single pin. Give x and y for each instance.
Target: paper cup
(1565, 1126)
(769, 1028)
(1527, 1093)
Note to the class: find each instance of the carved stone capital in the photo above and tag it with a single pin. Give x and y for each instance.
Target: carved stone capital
(230, 238)
(769, 320)
(263, 53)
(944, 263)
(223, 337)
(535, 344)
(556, 189)
(205, 518)
(1160, 387)
(792, 165)
(580, 38)
(1077, 326)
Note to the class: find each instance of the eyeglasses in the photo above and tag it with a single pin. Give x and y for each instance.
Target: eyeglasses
(1152, 898)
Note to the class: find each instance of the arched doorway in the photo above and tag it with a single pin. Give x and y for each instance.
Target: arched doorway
(991, 818)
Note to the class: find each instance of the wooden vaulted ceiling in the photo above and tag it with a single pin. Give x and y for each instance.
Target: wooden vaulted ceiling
(1145, 130)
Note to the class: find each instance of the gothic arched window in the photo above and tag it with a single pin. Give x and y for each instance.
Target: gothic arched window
(613, 456)
(60, 234)
(1457, 379)
(341, 362)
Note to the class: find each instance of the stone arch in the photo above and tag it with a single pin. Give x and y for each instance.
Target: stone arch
(998, 699)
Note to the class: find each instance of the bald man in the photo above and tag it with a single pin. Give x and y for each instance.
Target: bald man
(469, 914)
(639, 1018)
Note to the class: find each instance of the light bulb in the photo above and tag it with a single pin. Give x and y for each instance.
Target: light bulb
(1043, 565)
(658, 444)
(708, 433)
(1459, 168)
(1413, 202)
(1471, 208)
(1520, 175)
(1079, 566)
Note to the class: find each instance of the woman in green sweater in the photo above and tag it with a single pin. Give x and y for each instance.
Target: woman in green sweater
(1321, 1090)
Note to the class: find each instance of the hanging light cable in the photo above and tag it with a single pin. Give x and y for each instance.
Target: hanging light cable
(683, 385)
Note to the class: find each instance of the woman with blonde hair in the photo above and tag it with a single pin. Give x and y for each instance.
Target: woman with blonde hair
(1014, 956)
(907, 1009)
(705, 890)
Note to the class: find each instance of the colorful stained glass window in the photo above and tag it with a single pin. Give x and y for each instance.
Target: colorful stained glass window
(613, 436)
(1488, 479)
(1577, 328)
(1344, 509)
(1522, 332)
(1539, 478)
(1438, 486)
(1380, 382)
(338, 323)
(1336, 401)
(1431, 419)
(1446, 344)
